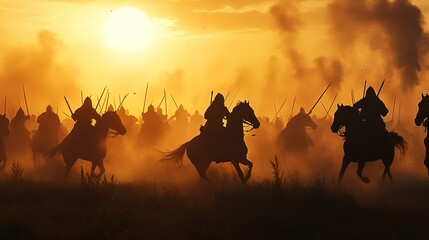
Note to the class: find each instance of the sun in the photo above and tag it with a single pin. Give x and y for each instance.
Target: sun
(128, 29)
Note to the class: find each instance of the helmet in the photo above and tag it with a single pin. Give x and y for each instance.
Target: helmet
(370, 92)
(110, 108)
(150, 108)
(219, 98)
(301, 110)
(49, 108)
(20, 112)
(87, 102)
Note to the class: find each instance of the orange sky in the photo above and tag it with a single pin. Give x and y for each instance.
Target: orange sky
(199, 46)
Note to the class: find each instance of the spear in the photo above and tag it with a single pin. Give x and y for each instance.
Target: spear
(234, 98)
(25, 99)
(104, 101)
(364, 89)
(211, 97)
(123, 99)
(162, 100)
(353, 97)
(107, 102)
(19, 102)
(5, 105)
(227, 95)
(66, 115)
(381, 87)
(174, 101)
(81, 97)
(319, 98)
(277, 112)
(394, 104)
(329, 109)
(68, 105)
(102, 93)
(165, 97)
(326, 110)
(145, 95)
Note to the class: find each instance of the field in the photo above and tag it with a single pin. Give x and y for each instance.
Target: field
(282, 207)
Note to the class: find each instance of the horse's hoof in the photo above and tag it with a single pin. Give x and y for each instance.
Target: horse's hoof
(365, 179)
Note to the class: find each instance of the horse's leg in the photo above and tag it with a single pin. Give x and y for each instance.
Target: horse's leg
(250, 165)
(93, 165)
(361, 165)
(346, 162)
(101, 167)
(238, 169)
(202, 165)
(427, 153)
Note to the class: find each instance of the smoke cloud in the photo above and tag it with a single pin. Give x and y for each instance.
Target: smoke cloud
(395, 28)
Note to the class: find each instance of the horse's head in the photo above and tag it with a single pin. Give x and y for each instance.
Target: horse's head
(423, 112)
(341, 117)
(302, 120)
(247, 114)
(113, 121)
(4, 126)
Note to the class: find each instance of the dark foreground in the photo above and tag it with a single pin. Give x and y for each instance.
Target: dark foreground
(274, 209)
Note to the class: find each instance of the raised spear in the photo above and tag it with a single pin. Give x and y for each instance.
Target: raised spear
(174, 101)
(102, 93)
(311, 110)
(381, 87)
(25, 99)
(145, 95)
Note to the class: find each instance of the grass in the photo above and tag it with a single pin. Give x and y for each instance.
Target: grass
(282, 207)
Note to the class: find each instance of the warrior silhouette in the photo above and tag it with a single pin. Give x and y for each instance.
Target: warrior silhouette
(17, 126)
(215, 114)
(181, 116)
(83, 117)
(371, 109)
(151, 130)
(49, 122)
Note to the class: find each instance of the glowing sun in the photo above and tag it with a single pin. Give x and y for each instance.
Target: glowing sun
(128, 29)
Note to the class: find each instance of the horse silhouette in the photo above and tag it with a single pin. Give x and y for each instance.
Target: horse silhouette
(231, 148)
(41, 145)
(361, 147)
(294, 137)
(4, 131)
(422, 119)
(93, 147)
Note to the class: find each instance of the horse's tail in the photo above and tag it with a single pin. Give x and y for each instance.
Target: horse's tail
(399, 142)
(176, 156)
(54, 150)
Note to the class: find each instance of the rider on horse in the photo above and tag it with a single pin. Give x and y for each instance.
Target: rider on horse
(372, 108)
(49, 122)
(215, 114)
(83, 117)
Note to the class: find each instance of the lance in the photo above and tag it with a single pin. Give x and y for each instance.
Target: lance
(165, 97)
(227, 95)
(81, 97)
(107, 102)
(145, 95)
(277, 112)
(234, 98)
(275, 109)
(353, 96)
(122, 101)
(5, 105)
(381, 87)
(68, 105)
(364, 89)
(19, 103)
(293, 105)
(102, 93)
(162, 100)
(211, 97)
(399, 114)
(394, 105)
(319, 98)
(66, 115)
(326, 110)
(104, 102)
(332, 103)
(174, 101)
(57, 110)
(25, 100)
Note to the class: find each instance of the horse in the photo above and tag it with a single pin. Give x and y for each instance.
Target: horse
(361, 147)
(4, 132)
(229, 147)
(93, 148)
(294, 137)
(422, 119)
(41, 145)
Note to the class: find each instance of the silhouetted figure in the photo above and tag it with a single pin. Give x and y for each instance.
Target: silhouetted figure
(422, 119)
(83, 126)
(195, 122)
(163, 117)
(294, 138)
(4, 132)
(371, 109)
(278, 124)
(46, 136)
(182, 118)
(19, 139)
(232, 150)
(215, 114)
(360, 146)
(152, 128)
(95, 148)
